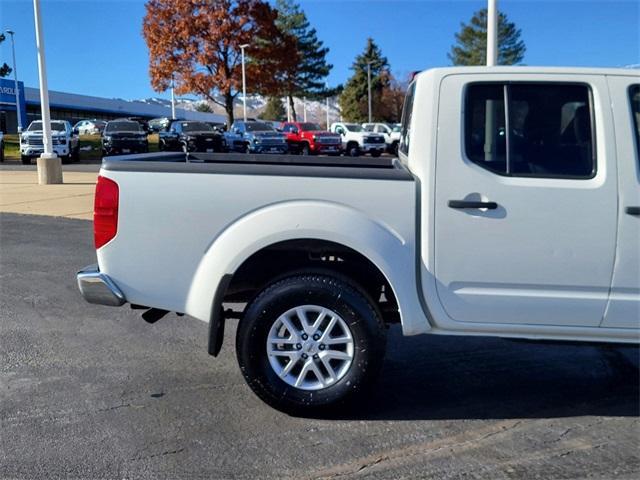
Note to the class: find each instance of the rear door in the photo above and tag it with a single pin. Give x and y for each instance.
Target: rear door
(525, 199)
(623, 310)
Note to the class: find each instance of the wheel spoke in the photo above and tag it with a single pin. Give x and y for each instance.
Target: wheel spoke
(330, 370)
(289, 366)
(289, 326)
(337, 340)
(304, 320)
(303, 373)
(327, 331)
(316, 371)
(283, 341)
(338, 355)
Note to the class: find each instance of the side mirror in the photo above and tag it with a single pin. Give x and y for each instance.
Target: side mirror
(76, 131)
(295, 130)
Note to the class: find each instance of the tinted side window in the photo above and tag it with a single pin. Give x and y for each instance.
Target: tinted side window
(407, 111)
(634, 98)
(543, 130)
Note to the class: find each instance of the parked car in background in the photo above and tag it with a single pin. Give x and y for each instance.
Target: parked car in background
(143, 122)
(65, 142)
(1, 146)
(356, 141)
(218, 126)
(255, 137)
(124, 137)
(89, 127)
(161, 124)
(310, 138)
(390, 132)
(191, 136)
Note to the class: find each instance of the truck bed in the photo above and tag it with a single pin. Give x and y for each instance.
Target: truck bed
(261, 164)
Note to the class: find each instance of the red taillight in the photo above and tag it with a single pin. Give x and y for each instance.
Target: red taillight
(105, 211)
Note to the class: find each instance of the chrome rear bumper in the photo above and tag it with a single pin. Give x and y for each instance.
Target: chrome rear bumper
(98, 288)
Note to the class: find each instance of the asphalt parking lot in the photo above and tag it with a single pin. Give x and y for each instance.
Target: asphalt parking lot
(95, 392)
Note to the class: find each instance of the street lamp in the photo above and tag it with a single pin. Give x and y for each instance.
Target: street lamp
(49, 165)
(492, 33)
(173, 99)
(15, 79)
(244, 84)
(369, 87)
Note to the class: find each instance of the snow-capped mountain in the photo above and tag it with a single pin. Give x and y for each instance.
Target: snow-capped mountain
(316, 110)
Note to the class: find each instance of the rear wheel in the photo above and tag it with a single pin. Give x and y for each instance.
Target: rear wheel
(305, 150)
(1, 151)
(376, 153)
(310, 342)
(26, 160)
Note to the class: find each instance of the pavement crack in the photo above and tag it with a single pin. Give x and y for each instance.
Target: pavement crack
(155, 455)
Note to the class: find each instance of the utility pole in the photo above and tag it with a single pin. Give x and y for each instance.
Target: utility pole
(16, 90)
(173, 99)
(49, 165)
(492, 60)
(304, 106)
(369, 88)
(244, 84)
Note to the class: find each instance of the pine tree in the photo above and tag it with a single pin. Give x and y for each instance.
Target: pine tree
(305, 78)
(354, 98)
(5, 69)
(471, 42)
(274, 110)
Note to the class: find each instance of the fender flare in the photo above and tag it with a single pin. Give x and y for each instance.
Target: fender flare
(293, 220)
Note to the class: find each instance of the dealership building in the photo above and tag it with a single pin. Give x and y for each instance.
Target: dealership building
(73, 107)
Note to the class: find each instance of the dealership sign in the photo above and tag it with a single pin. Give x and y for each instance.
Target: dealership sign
(8, 97)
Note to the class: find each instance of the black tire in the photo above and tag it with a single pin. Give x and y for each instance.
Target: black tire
(305, 150)
(353, 150)
(66, 159)
(25, 160)
(394, 148)
(75, 155)
(161, 146)
(247, 148)
(376, 153)
(1, 151)
(353, 306)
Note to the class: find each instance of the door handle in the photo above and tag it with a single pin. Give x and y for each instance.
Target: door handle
(633, 210)
(472, 204)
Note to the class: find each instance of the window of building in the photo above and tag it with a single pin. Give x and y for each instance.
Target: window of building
(536, 130)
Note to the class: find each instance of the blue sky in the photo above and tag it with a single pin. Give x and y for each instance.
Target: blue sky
(95, 47)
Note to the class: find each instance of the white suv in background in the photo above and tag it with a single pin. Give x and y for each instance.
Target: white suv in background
(355, 140)
(390, 132)
(89, 127)
(65, 142)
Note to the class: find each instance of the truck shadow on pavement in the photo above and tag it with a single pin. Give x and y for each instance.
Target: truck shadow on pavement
(438, 378)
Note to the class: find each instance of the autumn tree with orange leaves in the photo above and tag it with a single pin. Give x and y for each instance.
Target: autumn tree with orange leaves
(196, 43)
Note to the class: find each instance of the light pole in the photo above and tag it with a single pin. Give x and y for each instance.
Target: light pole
(304, 108)
(15, 79)
(244, 84)
(49, 165)
(492, 33)
(369, 87)
(173, 99)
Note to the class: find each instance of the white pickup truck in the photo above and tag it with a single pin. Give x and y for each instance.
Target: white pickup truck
(356, 140)
(512, 211)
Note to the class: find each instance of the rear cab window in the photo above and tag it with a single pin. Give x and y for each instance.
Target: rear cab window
(543, 130)
(634, 100)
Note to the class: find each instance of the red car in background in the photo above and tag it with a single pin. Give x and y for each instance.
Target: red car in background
(309, 138)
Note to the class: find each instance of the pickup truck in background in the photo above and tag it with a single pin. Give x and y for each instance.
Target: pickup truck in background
(190, 136)
(390, 132)
(123, 137)
(309, 138)
(356, 141)
(513, 211)
(66, 143)
(255, 137)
